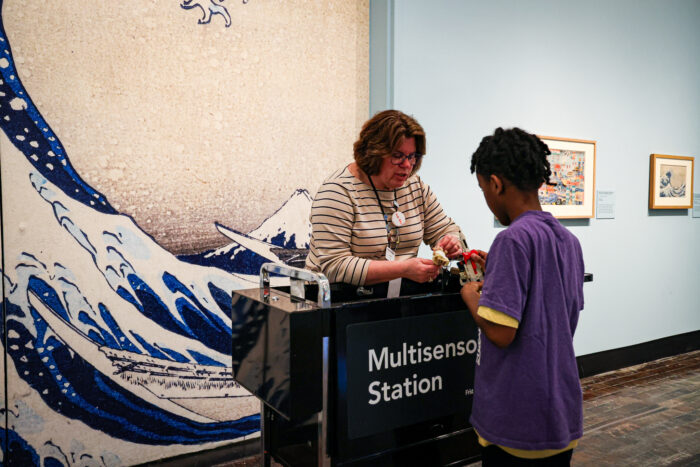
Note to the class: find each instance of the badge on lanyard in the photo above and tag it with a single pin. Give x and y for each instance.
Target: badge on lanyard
(394, 288)
(395, 284)
(398, 219)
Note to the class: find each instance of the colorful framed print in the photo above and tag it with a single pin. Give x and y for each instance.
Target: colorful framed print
(573, 174)
(670, 182)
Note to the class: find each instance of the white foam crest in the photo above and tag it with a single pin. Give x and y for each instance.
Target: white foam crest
(119, 248)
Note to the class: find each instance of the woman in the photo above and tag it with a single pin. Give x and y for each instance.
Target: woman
(369, 218)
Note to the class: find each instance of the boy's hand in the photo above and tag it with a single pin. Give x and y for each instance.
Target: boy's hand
(450, 245)
(480, 258)
(471, 293)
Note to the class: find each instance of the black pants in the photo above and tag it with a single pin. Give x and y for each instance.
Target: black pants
(493, 456)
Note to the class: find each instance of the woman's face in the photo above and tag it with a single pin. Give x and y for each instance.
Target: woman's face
(390, 176)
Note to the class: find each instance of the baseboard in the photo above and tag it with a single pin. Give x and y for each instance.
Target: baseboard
(231, 452)
(609, 360)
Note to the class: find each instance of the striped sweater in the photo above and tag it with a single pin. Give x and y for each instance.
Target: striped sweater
(349, 231)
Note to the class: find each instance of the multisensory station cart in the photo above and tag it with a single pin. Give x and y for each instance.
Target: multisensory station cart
(347, 376)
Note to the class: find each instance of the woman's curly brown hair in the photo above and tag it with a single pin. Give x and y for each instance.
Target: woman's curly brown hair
(382, 135)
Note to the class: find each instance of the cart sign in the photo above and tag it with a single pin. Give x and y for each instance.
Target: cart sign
(404, 371)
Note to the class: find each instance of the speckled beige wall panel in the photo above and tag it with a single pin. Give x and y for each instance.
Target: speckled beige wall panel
(182, 124)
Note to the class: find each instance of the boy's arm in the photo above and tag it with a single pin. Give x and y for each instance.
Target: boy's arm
(501, 336)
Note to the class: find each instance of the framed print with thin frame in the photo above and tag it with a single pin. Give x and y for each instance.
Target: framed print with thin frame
(670, 182)
(573, 173)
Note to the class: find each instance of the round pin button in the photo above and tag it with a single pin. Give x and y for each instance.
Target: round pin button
(398, 219)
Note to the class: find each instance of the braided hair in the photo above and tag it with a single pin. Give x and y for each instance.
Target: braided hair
(515, 155)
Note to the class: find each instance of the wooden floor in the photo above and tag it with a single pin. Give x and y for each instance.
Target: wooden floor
(645, 415)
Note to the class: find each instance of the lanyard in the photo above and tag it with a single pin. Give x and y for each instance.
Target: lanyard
(386, 216)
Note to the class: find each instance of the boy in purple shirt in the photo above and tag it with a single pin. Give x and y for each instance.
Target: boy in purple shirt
(528, 407)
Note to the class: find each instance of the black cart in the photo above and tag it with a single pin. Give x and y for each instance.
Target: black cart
(355, 378)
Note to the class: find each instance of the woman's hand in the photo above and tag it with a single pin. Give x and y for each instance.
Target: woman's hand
(419, 269)
(450, 245)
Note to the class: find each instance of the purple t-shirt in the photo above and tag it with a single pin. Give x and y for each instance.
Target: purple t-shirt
(528, 395)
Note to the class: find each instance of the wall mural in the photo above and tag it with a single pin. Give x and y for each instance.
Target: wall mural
(116, 289)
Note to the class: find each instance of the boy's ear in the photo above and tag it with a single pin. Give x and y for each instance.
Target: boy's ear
(497, 184)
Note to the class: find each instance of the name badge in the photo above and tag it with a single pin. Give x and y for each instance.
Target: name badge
(394, 285)
(394, 288)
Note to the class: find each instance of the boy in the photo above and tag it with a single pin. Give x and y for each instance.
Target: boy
(528, 407)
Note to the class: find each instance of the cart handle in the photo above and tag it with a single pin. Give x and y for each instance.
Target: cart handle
(297, 277)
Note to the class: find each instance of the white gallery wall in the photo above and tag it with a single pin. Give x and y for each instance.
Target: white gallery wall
(625, 74)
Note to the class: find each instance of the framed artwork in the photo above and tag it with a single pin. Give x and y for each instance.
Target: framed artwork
(573, 173)
(670, 182)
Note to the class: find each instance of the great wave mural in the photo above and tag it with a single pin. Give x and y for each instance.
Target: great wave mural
(118, 345)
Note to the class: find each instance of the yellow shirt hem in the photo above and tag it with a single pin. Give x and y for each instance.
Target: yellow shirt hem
(526, 453)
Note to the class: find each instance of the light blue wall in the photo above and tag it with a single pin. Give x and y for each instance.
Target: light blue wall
(624, 73)
(381, 85)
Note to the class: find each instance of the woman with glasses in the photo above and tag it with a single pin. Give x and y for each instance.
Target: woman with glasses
(369, 218)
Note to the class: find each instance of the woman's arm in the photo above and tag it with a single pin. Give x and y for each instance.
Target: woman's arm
(332, 218)
(416, 269)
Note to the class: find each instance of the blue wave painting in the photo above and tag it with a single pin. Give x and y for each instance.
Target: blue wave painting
(120, 334)
(672, 181)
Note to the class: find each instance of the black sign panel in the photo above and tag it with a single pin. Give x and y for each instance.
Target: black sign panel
(408, 370)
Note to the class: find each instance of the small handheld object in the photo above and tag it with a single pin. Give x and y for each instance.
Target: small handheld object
(440, 258)
(470, 270)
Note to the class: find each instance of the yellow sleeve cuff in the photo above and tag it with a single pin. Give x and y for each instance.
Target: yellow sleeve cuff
(497, 317)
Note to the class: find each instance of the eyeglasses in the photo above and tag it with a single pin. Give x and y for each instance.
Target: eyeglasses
(398, 158)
